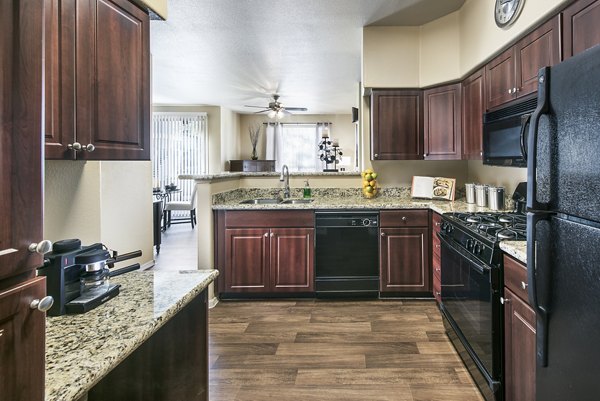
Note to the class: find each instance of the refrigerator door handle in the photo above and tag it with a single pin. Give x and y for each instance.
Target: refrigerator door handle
(534, 266)
(525, 120)
(542, 108)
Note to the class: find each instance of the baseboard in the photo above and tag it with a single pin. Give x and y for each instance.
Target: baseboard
(213, 302)
(148, 265)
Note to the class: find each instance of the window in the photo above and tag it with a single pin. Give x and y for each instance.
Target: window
(179, 146)
(295, 145)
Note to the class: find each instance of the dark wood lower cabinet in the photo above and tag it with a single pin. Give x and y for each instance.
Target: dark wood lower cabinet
(266, 259)
(519, 333)
(22, 339)
(404, 260)
(172, 365)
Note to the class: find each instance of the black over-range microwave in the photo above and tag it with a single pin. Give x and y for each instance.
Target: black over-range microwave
(505, 133)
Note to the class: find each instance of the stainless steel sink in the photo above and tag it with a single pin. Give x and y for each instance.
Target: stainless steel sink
(295, 201)
(261, 201)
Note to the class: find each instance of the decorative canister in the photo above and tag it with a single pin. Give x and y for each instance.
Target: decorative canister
(470, 192)
(496, 198)
(481, 193)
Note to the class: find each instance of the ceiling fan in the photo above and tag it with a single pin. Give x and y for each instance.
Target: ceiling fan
(276, 110)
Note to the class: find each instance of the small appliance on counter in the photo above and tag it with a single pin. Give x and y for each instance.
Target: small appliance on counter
(78, 277)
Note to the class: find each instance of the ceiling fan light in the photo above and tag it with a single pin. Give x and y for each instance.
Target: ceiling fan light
(279, 114)
(271, 114)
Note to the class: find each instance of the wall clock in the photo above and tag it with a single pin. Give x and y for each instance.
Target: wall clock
(506, 12)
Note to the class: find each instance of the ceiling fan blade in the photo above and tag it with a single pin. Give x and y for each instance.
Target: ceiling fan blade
(257, 107)
(261, 111)
(296, 108)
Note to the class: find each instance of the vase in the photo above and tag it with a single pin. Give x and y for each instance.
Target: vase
(254, 155)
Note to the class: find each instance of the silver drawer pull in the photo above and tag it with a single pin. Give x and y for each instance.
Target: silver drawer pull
(504, 301)
(523, 285)
(41, 247)
(43, 305)
(1, 332)
(403, 218)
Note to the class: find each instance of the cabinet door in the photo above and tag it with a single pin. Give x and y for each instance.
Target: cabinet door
(500, 79)
(404, 260)
(580, 27)
(22, 339)
(519, 333)
(396, 125)
(292, 259)
(246, 260)
(442, 123)
(59, 82)
(538, 49)
(112, 80)
(472, 113)
(20, 135)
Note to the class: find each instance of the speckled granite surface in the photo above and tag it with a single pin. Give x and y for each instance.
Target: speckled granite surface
(516, 249)
(227, 175)
(81, 349)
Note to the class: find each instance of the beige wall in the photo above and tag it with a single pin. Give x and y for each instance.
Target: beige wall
(390, 57)
(480, 38)
(342, 129)
(439, 51)
(108, 202)
(507, 177)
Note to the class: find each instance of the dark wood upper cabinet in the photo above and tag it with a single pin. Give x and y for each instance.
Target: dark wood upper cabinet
(473, 95)
(514, 72)
(580, 27)
(442, 123)
(97, 87)
(21, 208)
(396, 125)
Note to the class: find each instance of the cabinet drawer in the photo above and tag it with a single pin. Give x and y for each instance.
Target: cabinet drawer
(269, 218)
(437, 289)
(436, 262)
(435, 245)
(515, 277)
(404, 218)
(436, 222)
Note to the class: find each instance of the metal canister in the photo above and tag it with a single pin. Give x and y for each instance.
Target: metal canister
(470, 192)
(481, 194)
(496, 198)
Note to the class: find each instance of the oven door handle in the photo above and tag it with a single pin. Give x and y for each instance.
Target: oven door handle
(479, 266)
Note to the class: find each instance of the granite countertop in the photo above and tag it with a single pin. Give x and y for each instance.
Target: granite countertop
(516, 249)
(337, 198)
(229, 175)
(81, 349)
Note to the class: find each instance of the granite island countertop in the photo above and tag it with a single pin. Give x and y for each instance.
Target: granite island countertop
(337, 198)
(81, 349)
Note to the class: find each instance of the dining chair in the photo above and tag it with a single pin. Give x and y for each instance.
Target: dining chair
(189, 205)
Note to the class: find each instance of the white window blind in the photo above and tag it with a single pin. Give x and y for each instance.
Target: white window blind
(179, 146)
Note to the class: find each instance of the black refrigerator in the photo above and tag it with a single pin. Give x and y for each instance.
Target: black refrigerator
(563, 223)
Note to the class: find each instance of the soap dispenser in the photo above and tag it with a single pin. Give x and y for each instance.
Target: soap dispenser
(306, 189)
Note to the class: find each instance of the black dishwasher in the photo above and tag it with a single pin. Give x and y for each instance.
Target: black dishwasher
(347, 253)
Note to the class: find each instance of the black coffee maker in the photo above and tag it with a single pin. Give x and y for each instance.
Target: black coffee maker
(77, 277)
(520, 198)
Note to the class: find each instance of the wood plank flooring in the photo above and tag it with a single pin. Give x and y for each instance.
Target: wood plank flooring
(310, 350)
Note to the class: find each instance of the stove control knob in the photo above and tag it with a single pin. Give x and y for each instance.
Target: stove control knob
(469, 244)
(366, 222)
(477, 248)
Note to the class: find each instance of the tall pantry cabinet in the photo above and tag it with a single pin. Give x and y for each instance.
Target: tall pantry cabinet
(22, 326)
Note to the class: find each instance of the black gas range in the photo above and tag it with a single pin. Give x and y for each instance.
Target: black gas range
(472, 289)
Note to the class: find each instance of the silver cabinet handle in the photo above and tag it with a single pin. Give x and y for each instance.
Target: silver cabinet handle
(376, 155)
(437, 269)
(516, 90)
(437, 246)
(480, 153)
(266, 235)
(403, 218)
(509, 91)
(382, 234)
(272, 235)
(438, 293)
(1, 332)
(425, 154)
(523, 285)
(43, 305)
(504, 301)
(77, 147)
(438, 224)
(42, 247)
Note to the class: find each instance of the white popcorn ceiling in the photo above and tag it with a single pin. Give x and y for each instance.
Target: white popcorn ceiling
(235, 52)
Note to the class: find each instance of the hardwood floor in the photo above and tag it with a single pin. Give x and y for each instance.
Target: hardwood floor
(333, 350)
